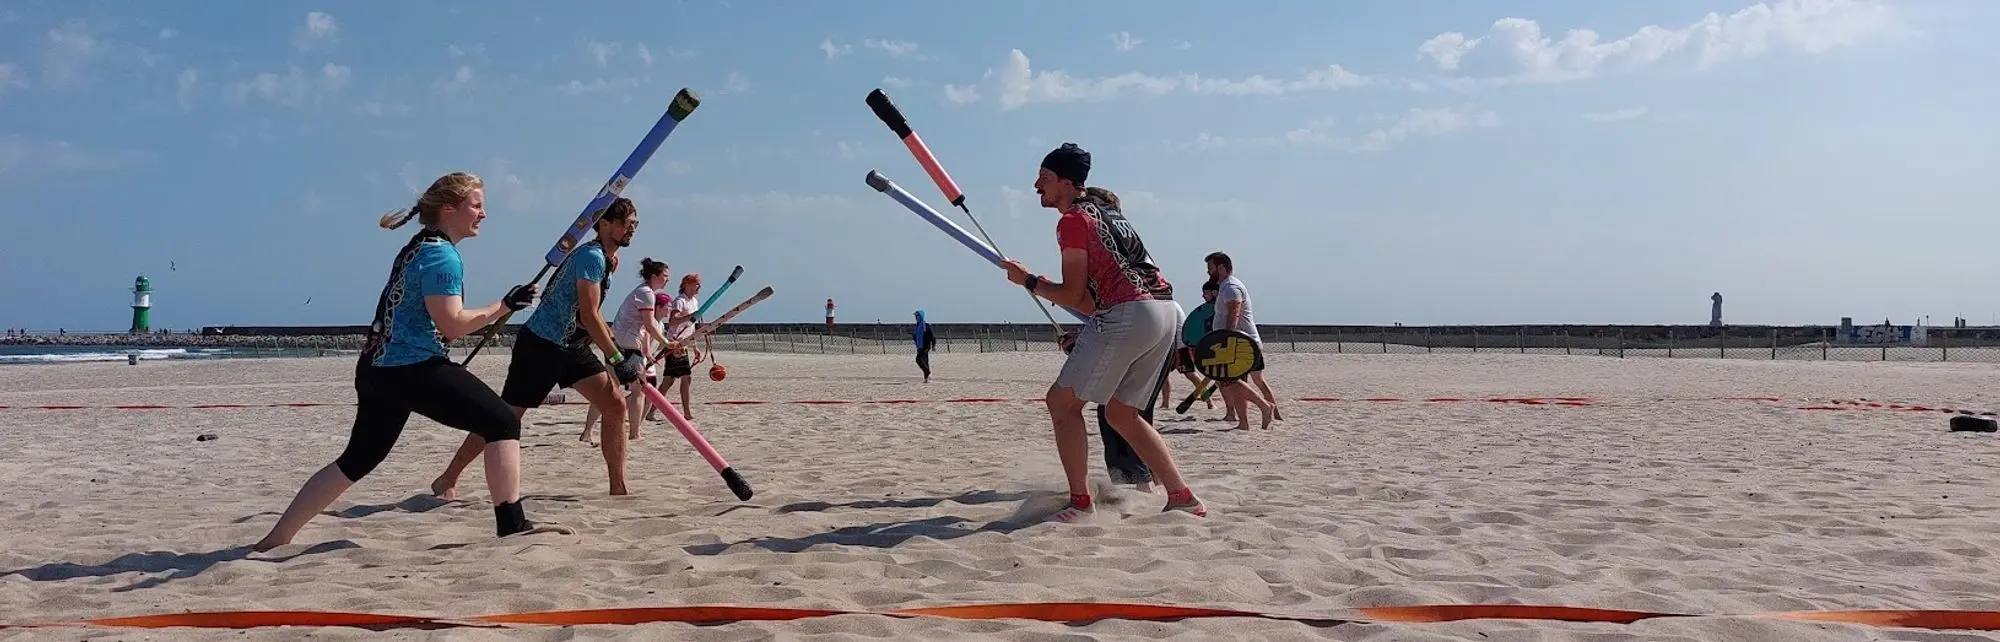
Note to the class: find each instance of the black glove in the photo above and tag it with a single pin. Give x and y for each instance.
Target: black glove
(519, 296)
(627, 369)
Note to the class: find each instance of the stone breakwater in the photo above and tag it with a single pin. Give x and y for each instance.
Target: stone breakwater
(304, 342)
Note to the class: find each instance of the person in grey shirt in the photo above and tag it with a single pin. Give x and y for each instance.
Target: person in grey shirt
(1232, 312)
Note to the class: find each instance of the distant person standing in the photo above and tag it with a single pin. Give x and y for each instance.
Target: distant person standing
(679, 365)
(1192, 330)
(1232, 312)
(926, 341)
(829, 314)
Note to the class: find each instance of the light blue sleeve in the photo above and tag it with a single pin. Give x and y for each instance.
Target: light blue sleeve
(440, 271)
(589, 264)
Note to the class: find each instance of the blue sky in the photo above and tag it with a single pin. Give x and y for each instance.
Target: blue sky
(1423, 163)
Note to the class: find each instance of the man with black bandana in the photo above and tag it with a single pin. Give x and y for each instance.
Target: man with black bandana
(1121, 354)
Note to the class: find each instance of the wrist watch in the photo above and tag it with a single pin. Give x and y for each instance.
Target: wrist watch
(1032, 281)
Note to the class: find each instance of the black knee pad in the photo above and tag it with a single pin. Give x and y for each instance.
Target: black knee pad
(360, 459)
(506, 428)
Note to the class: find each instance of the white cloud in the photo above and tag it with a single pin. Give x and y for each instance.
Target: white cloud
(21, 158)
(68, 49)
(895, 48)
(185, 86)
(1514, 49)
(1123, 41)
(459, 82)
(645, 55)
(11, 77)
(1628, 113)
(1020, 85)
(601, 51)
(379, 109)
(834, 51)
(168, 34)
(771, 204)
(736, 83)
(897, 82)
(292, 88)
(849, 151)
(1323, 134)
(335, 77)
(319, 29)
(1183, 45)
(598, 85)
(961, 94)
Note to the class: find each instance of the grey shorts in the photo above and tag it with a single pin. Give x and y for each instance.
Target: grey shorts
(1120, 352)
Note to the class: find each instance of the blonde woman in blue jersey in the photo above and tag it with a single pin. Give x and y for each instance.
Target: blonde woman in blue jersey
(553, 349)
(404, 368)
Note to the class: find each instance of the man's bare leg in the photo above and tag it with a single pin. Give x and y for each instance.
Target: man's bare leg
(1265, 388)
(602, 392)
(1072, 438)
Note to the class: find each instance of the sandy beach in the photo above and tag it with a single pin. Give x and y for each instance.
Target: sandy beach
(1672, 485)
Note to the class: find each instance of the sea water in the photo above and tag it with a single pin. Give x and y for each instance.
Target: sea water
(30, 354)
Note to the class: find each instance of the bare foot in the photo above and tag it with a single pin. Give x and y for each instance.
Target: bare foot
(620, 489)
(586, 438)
(1269, 413)
(267, 544)
(444, 490)
(633, 434)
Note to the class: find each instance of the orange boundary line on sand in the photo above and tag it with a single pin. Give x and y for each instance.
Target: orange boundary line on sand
(1834, 404)
(1062, 612)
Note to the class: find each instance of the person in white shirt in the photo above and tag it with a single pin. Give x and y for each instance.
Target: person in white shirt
(680, 328)
(1232, 312)
(635, 329)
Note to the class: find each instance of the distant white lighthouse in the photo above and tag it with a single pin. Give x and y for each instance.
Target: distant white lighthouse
(142, 305)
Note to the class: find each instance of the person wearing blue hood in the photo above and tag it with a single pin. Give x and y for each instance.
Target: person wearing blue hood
(926, 341)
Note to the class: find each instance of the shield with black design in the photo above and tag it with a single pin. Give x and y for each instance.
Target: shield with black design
(1226, 355)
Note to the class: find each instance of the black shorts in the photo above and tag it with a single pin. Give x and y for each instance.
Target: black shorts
(677, 366)
(540, 366)
(1184, 360)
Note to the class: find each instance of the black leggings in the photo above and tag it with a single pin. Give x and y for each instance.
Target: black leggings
(924, 361)
(436, 388)
(1119, 457)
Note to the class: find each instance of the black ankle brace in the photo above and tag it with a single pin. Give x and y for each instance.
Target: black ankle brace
(509, 518)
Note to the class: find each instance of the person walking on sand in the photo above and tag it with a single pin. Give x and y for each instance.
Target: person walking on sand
(829, 315)
(553, 349)
(1120, 352)
(926, 341)
(679, 364)
(404, 367)
(636, 330)
(1233, 313)
(1192, 330)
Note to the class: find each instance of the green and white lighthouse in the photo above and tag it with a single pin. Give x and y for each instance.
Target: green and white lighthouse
(142, 305)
